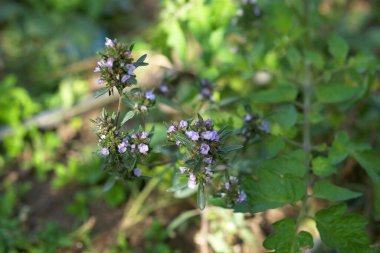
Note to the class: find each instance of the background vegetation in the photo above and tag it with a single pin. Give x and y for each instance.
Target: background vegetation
(259, 53)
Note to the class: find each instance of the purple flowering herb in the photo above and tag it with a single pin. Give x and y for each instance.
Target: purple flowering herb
(208, 171)
(171, 129)
(247, 118)
(215, 136)
(97, 69)
(191, 183)
(234, 179)
(203, 81)
(242, 197)
(122, 149)
(125, 78)
(207, 135)
(208, 122)
(177, 143)
(102, 63)
(206, 92)
(133, 147)
(131, 68)
(264, 126)
(164, 88)
(150, 95)
(208, 160)
(143, 108)
(100, 81)
(192, 135)
(109, 43)
(204, 149)
(105, 151)
(143, 135)
(134, 136)
(143, 148)
(182, 169)
(227, 185)
(137, 172)
(109, 63)
(196, 123)
(183, 124)
(126, 139)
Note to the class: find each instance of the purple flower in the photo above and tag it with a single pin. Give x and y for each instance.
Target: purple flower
(126, 140)
(125, 78)
(109, 43)
(234, 179)
(122, 149)
(205, 92)
(208, 171)
(183, 124)
(105, 151)
(242, 197)
(143, 108)
(133, 146)
(164, 88)
(97, 69)
(100, 81)
(192, 135)
(143, 135)
(109, 63)
(150, 95)
(134, 136)
(227, 185)
(131, 68)
(182, 169)
(137, 172)
(102, 63)
(264, 126)
(177, 143)
(208, 122)
(210, 135)
(247, 117)
(191, 183)
(171, 129)
(196, 123)
(204, 149)
(203, 81)
(143, 148)
(208, 160)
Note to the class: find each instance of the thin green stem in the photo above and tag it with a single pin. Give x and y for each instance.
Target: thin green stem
(118, 110)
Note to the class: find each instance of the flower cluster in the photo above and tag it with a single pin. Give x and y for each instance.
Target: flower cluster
(140, 101)
(231, 193)
(253, 125)
(203, 145)
(206, 90)
(117, 66)
(120, 150)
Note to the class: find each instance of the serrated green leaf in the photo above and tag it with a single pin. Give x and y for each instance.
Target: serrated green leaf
(370, 161)
(326, 190)
(343, 232)
(271, 190)
(201, 198)
(177, 187)
(129, 115)
(338, 48)
(290, 162)
(322, 166)
(277, 94)
(230, 148)
(335, 93)
(286, 239)
(340, 148)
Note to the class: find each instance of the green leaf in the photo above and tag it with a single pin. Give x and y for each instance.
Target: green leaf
(335, 93)
(285, 116)
(177, 187)
(290, 162)
(339, 149)
(269, 147)
(322, 166)
(286, 239)
(127, 117)
(109, 184)
(201, 198)
(271, 190)
(284, 93)
(230, 148)
(326, 190)
(101, 92)
(183, 217)
(338, 48)
(141, 59)
(343, 232)
(370, 161)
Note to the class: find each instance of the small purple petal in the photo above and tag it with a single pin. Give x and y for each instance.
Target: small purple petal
(182, 169)
(150, 95)
(137, 172)
(143, 148)
(125, 78)
(183, 124)
(105, 151)
(204, 149)
(109, 43)
(192, 135)
(171, 129)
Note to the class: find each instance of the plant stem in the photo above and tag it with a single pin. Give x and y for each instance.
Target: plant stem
(118, 110)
